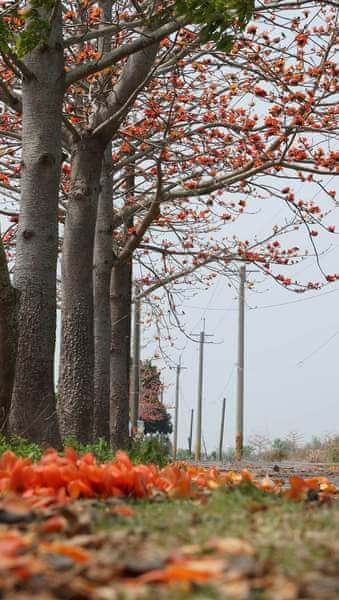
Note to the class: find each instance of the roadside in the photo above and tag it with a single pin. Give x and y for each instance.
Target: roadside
(283, 470)
(234, 537)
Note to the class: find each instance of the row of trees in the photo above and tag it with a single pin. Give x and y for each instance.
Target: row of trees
(128, 136)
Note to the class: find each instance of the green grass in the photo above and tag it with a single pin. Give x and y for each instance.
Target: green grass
(148, 450)
(296, 536)
(20, 447)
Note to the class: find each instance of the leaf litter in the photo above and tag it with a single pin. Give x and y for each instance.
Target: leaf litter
(73, 529)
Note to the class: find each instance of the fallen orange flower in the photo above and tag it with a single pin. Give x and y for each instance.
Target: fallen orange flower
(11, 544)
(55, 524)
(78, 555)
(57, 479)
(300, 486)
(176, 572)
(122, 511)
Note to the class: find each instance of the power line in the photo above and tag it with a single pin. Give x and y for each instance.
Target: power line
(265, 305)
(225, 388)
(207, 307)
(301, 362)
(204, 309)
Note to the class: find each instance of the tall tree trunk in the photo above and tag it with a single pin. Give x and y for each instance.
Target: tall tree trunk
(121, 302)
(103, 260)
(33, 413)
(8, 340)
(76, 384)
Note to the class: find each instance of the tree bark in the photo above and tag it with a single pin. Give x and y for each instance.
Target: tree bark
(76, 384)
(33, 413)
(103, 261)
(8, 340)
(121, 302)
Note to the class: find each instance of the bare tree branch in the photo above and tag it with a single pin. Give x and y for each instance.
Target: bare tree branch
(145, 40)
(104, 31)
(153, 212)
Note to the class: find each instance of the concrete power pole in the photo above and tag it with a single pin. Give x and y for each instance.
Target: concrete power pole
(200, 391)
(222, 428)
(202, 337)
(191, 434)
(239, 440)
(135, 375)
(176, 416)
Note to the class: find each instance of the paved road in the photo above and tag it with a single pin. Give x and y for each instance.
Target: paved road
(282, 470)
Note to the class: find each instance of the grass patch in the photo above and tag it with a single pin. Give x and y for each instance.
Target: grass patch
(147, 450)
(295, 536)
(20, 447)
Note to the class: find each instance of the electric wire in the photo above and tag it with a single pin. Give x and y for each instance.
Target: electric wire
(279, 304)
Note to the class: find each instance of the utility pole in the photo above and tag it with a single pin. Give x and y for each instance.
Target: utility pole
(135, 375)
(191, 433)
(202, 337)
(222, 428)
(200, 390)
(176, 416)
(205, 447)
(239, 440)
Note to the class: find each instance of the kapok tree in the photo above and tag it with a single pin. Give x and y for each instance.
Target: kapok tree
(251, 154)
(32, 41)
(8, 295)
(8, 334)
(32, 60)
(198, 135)
(99, 107)
(84, 115)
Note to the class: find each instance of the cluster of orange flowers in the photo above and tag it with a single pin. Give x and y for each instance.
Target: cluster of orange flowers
(295, 489)
(70, 476)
